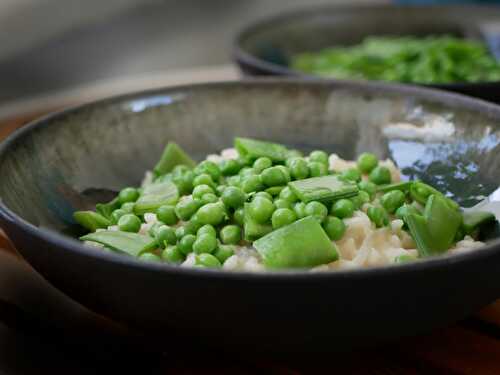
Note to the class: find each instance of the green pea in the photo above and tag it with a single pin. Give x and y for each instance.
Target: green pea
(317, 210)
(229, 167)
(288, 195)
(380, 175)
(263, 194)
(233, 197)
(282, 217)
(117, 214)
(184, 182)
(286, 173)
(367, 162)
(129, 223)
(203, 179)
(154, 228)
(262, 163)
(239, 216)
(274, 190)
(233, 180)
(317, 169)
(274, 176)
(180, 232)
(220, 189)
(261, 209)
(343, 208)
(208, 167)
(186, 208)
(247, 171)
(334, 227)
(200, 190)
(319, 157)
(360, 199)
(207, 260)
(230, 234)
(192, 225)
(212, 213)
(128, 194)
(351, 174)
(167, 215)
(368, 187)
(207, 229)
(185, 244)
(298, 168)
(205, 243)
(223, 252)
(165, 235)
(281, 203)
(149, 257)
(252, 183)
(128, 207)
(245, 160)
(300, 210)
(172, 254)
(392, 200)
(209, 198)
(378, 216)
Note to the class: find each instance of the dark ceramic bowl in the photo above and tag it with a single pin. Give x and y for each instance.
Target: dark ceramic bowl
(48, 167)
(266, 47)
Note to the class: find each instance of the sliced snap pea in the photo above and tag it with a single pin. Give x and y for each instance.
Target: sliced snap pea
(106, 209)
(156, 195)
(252, 148)
(325, 188)
(472, 220)
(131, 243)
(172, 156)
(302, 244)
(91, 220)
(436, 230)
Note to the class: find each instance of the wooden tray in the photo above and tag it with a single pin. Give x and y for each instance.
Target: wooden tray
(468, 347)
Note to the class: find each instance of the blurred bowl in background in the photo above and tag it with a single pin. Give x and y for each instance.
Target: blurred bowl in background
(266, 47)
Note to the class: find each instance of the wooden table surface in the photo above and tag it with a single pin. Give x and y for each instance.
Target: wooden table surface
(468, 347)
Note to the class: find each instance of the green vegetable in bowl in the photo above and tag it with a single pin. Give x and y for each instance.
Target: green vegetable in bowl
(272, 207)
(431, 60)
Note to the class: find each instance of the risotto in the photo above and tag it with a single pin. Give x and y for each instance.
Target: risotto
(263, 206)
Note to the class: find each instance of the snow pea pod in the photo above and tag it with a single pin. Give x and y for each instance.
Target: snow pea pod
(106, 209)
(435, 231)
(324, 188)
(91, 220)
(131, 243)
(474, 219)
(172, 156)
(302, 244)
(420, 192)
(253, 149)
(156, 195)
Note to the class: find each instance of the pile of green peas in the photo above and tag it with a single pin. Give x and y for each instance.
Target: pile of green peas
(217, 200)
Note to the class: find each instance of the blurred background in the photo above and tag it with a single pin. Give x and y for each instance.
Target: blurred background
(50, 45)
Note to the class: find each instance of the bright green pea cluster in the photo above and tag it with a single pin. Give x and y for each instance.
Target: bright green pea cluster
(207, 209)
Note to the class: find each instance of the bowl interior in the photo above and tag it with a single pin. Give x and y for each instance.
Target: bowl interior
(275, 41)
(47, 168)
